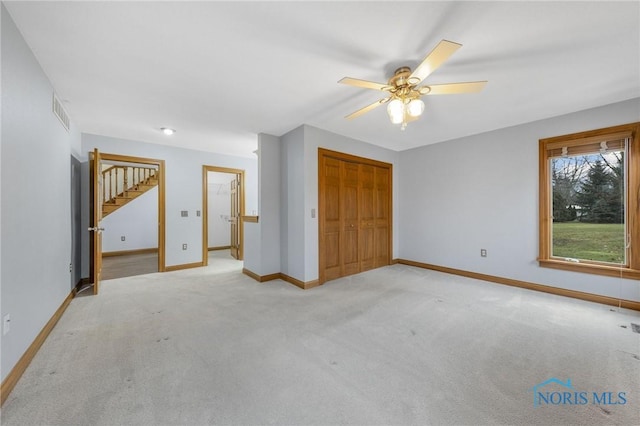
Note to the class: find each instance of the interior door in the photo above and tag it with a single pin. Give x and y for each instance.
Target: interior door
(382, 216)
(354, 224)
(367, 217)
(96, 189)
(235, 217)
(330, 223)
(350, 214)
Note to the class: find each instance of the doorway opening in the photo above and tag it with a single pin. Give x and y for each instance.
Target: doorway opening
(223, 208)
(127, 210)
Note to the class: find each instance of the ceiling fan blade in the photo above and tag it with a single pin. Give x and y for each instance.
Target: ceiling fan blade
(455, 88)
(366, 109)
(364, 83)
(438, 55)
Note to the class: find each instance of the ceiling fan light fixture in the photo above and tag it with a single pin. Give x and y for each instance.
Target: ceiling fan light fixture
(395, 109)
(415, 107)
(404, 91)
(167, 131)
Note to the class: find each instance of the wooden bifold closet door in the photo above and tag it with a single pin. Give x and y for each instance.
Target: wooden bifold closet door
(354, 214)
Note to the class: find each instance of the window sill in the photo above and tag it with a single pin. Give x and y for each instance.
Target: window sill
(589, 268)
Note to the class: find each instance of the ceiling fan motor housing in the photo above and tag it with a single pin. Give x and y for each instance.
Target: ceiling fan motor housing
(401, 87)
(400, 77)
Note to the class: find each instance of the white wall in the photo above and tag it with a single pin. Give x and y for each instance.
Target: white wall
(219, 205)
(137, 221)
(292, 204)
(481, 191)
(183, 189)
(269, 154)
(36, 203)
(219, 212)
(262, 251)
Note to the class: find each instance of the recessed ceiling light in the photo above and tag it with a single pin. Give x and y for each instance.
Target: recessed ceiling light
(167, 131)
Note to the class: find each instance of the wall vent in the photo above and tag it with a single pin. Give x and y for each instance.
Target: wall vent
(59, 112)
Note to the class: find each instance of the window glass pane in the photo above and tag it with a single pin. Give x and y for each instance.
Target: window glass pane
(588, 199)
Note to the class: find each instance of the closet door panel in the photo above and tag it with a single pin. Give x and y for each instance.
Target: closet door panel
(367, 217)
(350, 215)
(382, 216)
(381, 247)
(354, 214)
(331, 216)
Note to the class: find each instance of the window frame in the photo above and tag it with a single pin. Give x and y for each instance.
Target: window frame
(632, 208)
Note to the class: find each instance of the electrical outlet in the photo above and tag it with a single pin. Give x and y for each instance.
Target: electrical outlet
(6, 324)
(483, 252)
(184, 213)
(122, 238)
(198, 213)
(184, 247)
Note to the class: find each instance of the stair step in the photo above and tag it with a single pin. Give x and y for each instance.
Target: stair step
(108, 208)
(127, 196)
(144, 187)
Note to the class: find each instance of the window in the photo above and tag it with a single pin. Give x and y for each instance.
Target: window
(590, 201)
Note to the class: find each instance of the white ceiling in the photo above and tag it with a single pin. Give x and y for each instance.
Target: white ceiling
(222, 72)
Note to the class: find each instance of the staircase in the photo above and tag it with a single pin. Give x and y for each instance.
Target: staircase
(123, 184)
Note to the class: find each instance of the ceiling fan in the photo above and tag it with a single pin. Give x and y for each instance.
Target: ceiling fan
(405, 90)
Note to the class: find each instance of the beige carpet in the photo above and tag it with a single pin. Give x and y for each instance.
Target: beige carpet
(397, 345)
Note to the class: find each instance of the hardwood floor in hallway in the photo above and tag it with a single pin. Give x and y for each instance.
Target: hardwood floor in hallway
(129, 265)
(147, 263)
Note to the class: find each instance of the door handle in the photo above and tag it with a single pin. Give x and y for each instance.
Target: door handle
(95, 229)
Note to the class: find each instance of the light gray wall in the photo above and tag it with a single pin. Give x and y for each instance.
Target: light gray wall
(36, 201)
(252, 255)
(481, 191)
(262, 251)
(183, 189)
(292, 204)
(269, 203)
(137, 221)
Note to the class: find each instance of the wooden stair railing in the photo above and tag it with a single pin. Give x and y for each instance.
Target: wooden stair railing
(123, 184)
